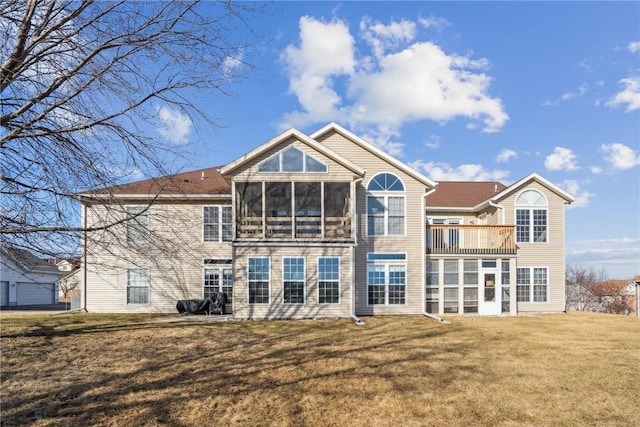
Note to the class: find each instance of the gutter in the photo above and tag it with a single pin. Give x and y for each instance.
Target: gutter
(424, 257)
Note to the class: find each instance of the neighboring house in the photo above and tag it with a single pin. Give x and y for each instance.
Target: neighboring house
(26, 279)
(69, 283)
(326, 225)
(614, 296)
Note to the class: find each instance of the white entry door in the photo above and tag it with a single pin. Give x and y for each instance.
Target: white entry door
(489, 296)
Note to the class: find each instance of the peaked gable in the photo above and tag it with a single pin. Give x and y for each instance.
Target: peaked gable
(534, 177)
(334, 127)
(284, 137)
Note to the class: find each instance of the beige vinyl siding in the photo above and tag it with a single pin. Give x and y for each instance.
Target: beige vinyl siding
(335, 171)
(550, 254)
(174, 257)
(411, 243)
(276, 309)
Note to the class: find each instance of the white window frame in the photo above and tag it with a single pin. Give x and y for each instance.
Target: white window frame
(387, 264)
(220, 225)
(531, 297)
(249, 281)
(280, 157)
(298, 282)
(134, 226)
(219, 286)
(146, 286)
(542, 204)
(386, 195)
(333, 281)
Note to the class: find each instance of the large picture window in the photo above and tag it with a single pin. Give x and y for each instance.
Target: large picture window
(137, 224)
(531, 217)
(217, 222)
(258, 279)
(292, 159)
(329, 280)
(137, 286)
(386, 279)
(293, 280)
(385, 206)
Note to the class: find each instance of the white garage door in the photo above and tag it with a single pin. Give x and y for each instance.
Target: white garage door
(31, 293)
(4, 293)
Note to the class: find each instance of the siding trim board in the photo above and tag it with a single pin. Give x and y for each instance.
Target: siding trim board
(349, 159)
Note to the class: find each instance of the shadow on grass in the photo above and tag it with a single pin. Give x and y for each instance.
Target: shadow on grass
(231, 363)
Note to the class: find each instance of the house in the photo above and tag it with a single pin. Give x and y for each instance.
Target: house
(69, 283)
(26, 279)
(325, 225)
(614, 296)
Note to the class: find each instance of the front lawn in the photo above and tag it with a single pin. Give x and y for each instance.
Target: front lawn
(125, 370)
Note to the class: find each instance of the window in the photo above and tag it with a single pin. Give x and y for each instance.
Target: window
(385, 212)
(258, 271)
(293, 280)
(443, 237)
(432, 292)
(218, 279)
(450, 272)
(386, 279)
(137, 224)
(470, 282)
(137, 286)
(470, 275)
(536, 276)
(329, 280)
(506, 290)
(292, 159)
(531, 217)
(217, 223)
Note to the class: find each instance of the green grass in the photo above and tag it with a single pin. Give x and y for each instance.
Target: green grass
(121, 370)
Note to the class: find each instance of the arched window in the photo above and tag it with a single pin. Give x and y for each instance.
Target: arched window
(531, 217)
(385, 206)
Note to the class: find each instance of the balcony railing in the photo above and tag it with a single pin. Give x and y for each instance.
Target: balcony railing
(471, 239)
(299, 228)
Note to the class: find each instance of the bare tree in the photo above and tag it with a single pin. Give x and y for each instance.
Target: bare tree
(84, 85)
(581, 284)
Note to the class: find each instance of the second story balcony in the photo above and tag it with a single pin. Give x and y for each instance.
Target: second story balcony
(471, 239)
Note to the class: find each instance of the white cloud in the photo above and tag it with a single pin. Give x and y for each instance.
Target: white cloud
(439, 171)
(581, 91)
(175, 126)
(506, 155)
(400, 82)
(382, 37)
(433, 22)
(561, 159)
(620, 156)
(582, 197)
(596, 170)
(231, 63)
(618, 257)
(629, 96)
(433, 142)
(634, 46)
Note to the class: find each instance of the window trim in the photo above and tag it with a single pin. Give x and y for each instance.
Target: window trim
(220, 224)
(387, 263)
(386, 194)
(147, 287)
(280, 157)
(304, 280)
(532, 285)
(338, 281)
(520, 205)
(220, 285)
(133, 222)
(268, 281)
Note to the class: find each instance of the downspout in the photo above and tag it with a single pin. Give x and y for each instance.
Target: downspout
(354, 230)
(84, 257)
(424, 256)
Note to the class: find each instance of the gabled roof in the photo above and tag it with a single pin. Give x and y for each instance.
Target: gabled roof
(534, 177)
(334, 127)
(462, 194)
(473, 196)
(201, 182)
(284, 136)
(28, 261)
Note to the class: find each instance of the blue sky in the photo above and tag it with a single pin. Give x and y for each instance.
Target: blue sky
(460, 91)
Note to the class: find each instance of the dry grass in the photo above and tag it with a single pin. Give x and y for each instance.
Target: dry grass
(108, 370)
